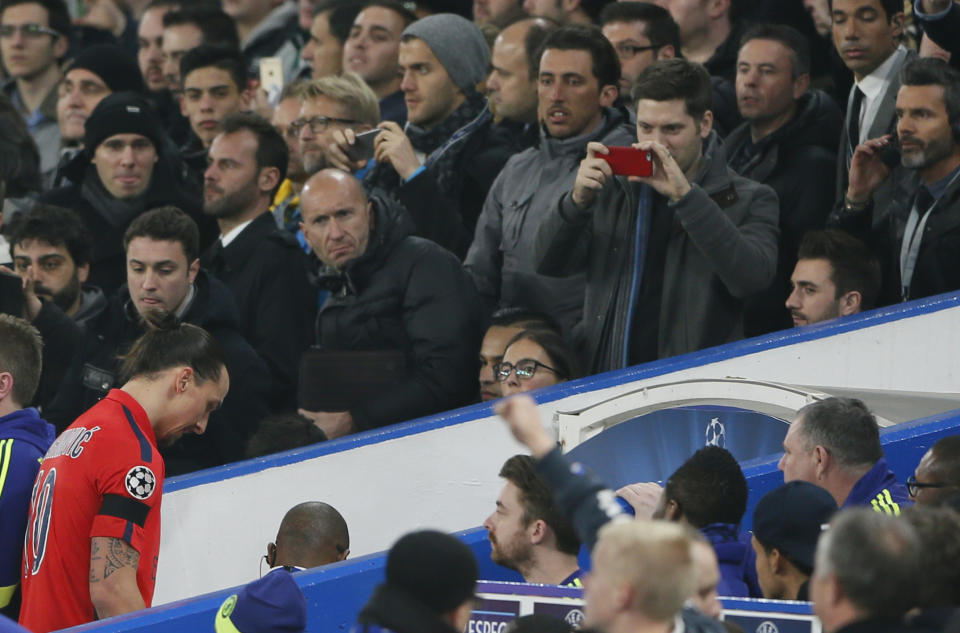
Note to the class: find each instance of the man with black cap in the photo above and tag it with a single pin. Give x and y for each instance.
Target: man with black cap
(786, 526)
(431, 577)
(124, 170)
(274, 603)
(441, 165)
(95, 73)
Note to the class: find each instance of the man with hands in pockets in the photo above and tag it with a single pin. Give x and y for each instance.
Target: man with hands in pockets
(669, 258)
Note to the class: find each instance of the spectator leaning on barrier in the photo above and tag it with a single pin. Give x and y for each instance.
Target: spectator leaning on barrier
(311, 534)
(937, 476)
(789, 142)
(94, 526)
(701, 238)
(430, 582)
(835, 444)
(836, 275)
(24, 440)
(918, 239)
(528, 533)
(577, 76)
(389, 292)
(865, 574)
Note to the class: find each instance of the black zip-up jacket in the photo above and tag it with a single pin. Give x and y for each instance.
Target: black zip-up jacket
(95, 366)
(405, 293)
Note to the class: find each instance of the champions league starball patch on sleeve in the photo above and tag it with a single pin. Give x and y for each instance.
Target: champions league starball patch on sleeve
(140, 482)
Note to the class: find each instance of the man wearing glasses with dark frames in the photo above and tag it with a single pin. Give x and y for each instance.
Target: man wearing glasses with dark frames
(641, 33)
(937, 476)
(33, 39)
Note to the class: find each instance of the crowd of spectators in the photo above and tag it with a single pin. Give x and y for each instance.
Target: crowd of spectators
(357, 200)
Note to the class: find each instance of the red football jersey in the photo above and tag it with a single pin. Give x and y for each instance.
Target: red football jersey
(102, 477)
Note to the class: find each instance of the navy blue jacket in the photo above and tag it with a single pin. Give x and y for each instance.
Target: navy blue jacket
(879, 489)
(24, 440)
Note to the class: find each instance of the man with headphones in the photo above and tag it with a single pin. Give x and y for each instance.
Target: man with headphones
(918, 239)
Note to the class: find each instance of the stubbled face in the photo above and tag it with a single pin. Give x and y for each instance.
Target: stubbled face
(707, 571)
(486, 10)
(522, 350)
(509, 544)
(511, 90)
(323, 51)
(78, 94)
(814, 295)
(231, 183)
(209, 95)
(336, 221)
(313, 145)
(491, 353)
(158, 275)
(923, 126)
(284, 115)
(177, 40)
(797, 462)
(668, 123)
(125, 164)
(623, 36)
(55, 275)
(430, 94)
(191, 409)
(28, 56)
(373, 48)
(150, 48)
(691, 17)
(766, 88)
(863, 34)
(569, 93)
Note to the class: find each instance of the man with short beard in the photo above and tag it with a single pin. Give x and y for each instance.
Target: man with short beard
(262, 265)
(528, 533)
(921, 229)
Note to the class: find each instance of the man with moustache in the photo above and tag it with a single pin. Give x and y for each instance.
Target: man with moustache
(918, 238)
(261, 264)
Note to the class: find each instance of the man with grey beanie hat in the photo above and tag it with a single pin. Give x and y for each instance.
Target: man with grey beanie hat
(441, 165)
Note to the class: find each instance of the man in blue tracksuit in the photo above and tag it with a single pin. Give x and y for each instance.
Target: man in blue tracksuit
(835, 444)
(24, 439)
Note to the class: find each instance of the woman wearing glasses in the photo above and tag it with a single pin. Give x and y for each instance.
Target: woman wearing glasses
(534, 359)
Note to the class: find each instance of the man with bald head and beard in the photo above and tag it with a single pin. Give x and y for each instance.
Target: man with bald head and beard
(311, 534)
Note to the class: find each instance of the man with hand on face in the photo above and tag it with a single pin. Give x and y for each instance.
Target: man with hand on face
(93, 534)
(918, 239)
(124, 170)
(701, 238)
(577, 75)
(262, 265)
(388, 291)
(442, 164)
(164, 277)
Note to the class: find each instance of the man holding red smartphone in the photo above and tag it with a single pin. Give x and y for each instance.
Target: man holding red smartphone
(668, 257)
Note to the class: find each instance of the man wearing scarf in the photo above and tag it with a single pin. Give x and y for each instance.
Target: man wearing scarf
(441, 165)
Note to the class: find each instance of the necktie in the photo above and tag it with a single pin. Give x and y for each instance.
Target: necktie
(853, 126)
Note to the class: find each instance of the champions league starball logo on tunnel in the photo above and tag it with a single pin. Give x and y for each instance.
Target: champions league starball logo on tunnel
(716, 433)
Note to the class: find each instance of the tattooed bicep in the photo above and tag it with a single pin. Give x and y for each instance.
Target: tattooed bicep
(107, 555)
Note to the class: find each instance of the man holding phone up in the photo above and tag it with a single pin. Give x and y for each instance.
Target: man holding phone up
(668, 257)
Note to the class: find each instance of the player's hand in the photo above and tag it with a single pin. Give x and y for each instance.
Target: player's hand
(667, 178)
(592, 176)
(333, 424)
(643, 497)
(521, 415)
(867, 169)
(392, 146)
(337, 154)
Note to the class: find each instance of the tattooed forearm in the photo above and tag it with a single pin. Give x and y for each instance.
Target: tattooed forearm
(107, 555)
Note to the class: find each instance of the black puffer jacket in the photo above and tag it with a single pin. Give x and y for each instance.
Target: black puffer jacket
(405, 293)
(107, 263)
(799, 162)
(95, 366)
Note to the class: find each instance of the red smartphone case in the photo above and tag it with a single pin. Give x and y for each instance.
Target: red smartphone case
(627, 161)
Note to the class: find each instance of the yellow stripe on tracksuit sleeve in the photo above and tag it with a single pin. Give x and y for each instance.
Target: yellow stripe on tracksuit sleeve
(6, 448)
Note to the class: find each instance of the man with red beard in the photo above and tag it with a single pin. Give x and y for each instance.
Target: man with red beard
(528, 533)
(262, 265)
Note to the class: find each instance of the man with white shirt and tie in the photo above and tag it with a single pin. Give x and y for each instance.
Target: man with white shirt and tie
(867, 36)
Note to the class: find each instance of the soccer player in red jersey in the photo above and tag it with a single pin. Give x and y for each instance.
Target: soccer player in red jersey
(93, 533)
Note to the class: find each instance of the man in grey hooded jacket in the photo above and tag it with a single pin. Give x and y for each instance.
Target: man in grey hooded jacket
(668, 258)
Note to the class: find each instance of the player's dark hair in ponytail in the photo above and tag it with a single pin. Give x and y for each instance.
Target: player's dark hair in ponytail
(169, 343)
